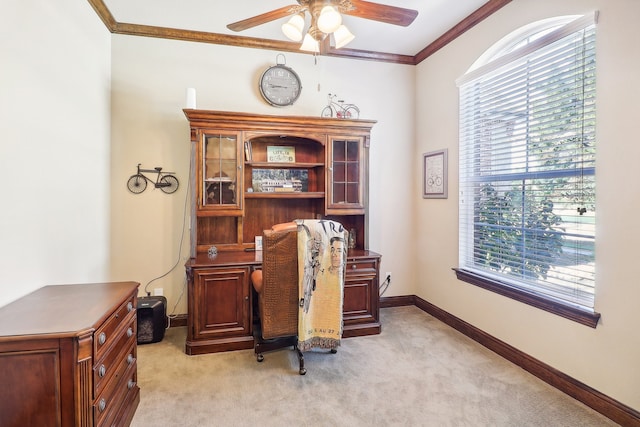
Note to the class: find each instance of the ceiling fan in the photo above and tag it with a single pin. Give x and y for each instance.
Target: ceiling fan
(326, 19)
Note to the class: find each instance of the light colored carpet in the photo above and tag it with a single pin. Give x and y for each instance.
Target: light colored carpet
(418, 372)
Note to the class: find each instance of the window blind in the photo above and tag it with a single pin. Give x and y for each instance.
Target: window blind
(527, 166)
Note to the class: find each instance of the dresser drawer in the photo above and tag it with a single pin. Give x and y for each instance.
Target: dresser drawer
(105, 335)
(115, 395)
(115, 361)
(361, 266)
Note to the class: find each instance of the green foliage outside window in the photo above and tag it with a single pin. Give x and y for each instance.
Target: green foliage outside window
(516, 241)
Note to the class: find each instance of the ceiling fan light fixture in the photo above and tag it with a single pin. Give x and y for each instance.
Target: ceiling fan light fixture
(342, 36)
(325, 18)
(329, 20)
(293, 28)
(309, 44)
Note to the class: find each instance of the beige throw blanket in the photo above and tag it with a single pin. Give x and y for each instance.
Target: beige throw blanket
(322, 257)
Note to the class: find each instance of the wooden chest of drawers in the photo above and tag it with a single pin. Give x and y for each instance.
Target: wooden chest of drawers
(68, 356)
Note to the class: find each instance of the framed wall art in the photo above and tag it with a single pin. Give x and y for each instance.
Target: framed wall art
(434, 167)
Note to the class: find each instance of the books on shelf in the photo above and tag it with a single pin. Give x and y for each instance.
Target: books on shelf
(247, 151)
(280, 180)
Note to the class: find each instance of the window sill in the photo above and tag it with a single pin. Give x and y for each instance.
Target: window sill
(576, 314)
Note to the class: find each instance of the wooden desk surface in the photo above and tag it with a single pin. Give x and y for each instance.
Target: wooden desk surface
(62, 309)
(231, 258)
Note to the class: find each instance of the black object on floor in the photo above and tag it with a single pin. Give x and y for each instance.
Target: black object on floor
(152, 319)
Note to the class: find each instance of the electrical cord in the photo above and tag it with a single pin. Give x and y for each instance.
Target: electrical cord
(184, 218)
(172, 315)
(384, 285)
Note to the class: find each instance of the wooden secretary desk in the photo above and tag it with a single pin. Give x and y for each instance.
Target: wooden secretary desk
(250, 172)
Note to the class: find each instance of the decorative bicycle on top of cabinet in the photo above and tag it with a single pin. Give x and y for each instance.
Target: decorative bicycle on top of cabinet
(337, 108)
(165, 181)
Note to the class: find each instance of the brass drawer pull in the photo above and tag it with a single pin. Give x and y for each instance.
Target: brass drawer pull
(129, 307)
(102, 338)
(131, 384)
(102, 370)
(102, 405)
(129, 332)
(130, 359)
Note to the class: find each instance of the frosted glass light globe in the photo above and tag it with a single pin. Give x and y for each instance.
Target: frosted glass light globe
(329, 20)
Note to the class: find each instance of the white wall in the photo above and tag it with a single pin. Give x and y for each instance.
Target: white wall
(54, 145)
(150, 77)
(605, 358)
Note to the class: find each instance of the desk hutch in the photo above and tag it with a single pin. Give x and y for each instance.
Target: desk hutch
(250, 172)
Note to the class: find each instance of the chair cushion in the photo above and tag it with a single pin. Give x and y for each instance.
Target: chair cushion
(256, 279)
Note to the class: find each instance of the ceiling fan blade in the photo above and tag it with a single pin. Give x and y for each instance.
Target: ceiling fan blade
(383, 13)
(264, 18)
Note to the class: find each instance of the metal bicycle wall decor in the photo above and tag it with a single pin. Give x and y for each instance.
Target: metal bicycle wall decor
(165, 181)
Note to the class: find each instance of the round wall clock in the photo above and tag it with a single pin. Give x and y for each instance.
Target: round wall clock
(280, 85)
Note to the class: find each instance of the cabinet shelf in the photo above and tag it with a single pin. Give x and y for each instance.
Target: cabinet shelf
(271, 165)
(286, 195)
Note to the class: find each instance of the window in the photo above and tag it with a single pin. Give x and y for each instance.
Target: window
(527, 171)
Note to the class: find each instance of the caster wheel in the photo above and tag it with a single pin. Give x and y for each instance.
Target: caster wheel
(303, 371)
(259, 357)
(334, 351)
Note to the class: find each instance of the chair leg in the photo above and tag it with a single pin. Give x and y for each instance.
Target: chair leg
(303, 370)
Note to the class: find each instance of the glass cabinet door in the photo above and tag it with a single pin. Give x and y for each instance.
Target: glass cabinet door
(221, 170)
(346, 175)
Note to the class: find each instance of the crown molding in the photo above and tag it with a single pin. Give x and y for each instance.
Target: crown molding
(133, 29)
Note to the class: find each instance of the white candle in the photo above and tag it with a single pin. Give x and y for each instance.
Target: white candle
(191, 98)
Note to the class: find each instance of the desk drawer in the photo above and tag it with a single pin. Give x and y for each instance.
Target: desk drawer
(361, 266)
(110, 402)
(106, 334)
(115, 361)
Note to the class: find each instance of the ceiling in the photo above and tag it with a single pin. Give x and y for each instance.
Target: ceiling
(438, 22)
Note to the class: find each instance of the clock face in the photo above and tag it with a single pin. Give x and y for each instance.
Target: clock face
(280, 85)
